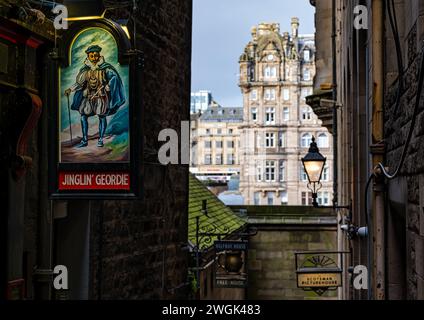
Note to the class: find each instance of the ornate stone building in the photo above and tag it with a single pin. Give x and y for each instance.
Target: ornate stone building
(215, 143)
(276, 75)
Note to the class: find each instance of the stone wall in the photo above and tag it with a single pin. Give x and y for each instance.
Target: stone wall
(141, 256)
(406, 192)
(272, 272)
(282, 231)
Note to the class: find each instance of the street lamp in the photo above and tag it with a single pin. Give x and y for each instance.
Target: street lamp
(313, 164)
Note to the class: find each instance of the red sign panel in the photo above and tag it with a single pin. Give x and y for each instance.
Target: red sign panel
(94, 181)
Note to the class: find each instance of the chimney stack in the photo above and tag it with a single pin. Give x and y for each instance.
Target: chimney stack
(295, 27)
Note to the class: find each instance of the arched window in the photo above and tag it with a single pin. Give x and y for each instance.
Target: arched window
(306, 140)
(322, 140)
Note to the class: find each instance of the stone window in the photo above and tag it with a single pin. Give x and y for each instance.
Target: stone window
(306, 113)
(284, 198)
(208, 159)
(270, 198)
(306, 198)
(286, 94)
(256, 198)
(270, 72)
(208, 144)
(270, 140)
(323, 198)
(218, 159)
(230, 159)
(254, 112)
(270, 171)
(259, 171)
(306, 140)
(326, 174)
(219, 144)
(307, 75)
(306, 92)
(230, 144)
(286, 114)
(254, 95)
(270, 116)
(282, 171)
(281, 139)
(270, 95)
(303, 175)
(322, 140)
(307, 55)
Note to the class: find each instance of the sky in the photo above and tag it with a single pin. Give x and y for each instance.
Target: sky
(221, 30)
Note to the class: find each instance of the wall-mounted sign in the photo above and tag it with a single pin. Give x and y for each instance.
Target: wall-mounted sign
(319, 279)
(230, 245)
(231, 266)
(318, 271)
(95, 129)
(225, 282)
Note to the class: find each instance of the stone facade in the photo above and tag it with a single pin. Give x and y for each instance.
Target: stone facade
(372, 131)
(406, 193)
(276, 76)
(282, 231)
(215, 143)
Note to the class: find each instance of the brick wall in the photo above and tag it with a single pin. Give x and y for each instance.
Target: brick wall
(138, 250)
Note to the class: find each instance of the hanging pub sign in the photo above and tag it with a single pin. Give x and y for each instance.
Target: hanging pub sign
(95, 114)
(318, 271)
(230, 271)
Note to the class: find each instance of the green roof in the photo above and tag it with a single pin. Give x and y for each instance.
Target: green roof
(219, 219)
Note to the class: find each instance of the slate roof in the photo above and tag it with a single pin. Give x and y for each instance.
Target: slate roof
(219, 215)
(220, 114)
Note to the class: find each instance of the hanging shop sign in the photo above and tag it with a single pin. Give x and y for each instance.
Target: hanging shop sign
(95, 120)
(231, 267)
(318, 271)
(319, 278)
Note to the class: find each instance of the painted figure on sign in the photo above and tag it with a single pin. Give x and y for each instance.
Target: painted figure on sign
(98, 91)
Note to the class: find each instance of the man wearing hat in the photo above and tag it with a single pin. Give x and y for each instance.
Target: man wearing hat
(98, 91)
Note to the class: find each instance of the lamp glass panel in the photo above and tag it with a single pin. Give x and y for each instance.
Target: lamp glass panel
(314, 170)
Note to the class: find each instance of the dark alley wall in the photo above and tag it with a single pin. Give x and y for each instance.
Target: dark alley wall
(114, 249)
(141, 256)
(406, 193)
